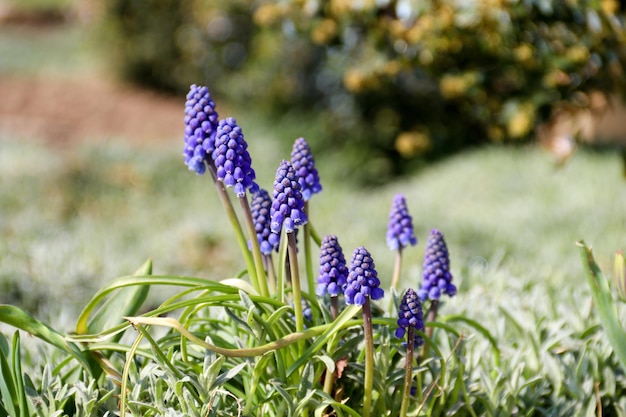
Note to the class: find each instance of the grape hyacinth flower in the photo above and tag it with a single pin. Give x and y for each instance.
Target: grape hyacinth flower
(260, 208)
(400, 229)
(200, 125)
(232, 160)
(333, 269)
(288, 203)
(362, 281)
(304, 164)
(436, 276)
(362, 285)
(410, 320)
(410, 315)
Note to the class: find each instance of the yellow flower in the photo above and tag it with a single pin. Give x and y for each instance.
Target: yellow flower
(267, 14)
(521, 122)
(523, 52)
(324, 31)
(577, 53)
(409, 144)
(354, 80)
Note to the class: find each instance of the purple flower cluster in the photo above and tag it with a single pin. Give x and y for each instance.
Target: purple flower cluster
(232, 160)
(304, 164)
(410, 315)
(288, 204)
(260, 209)
(400, 229)
(362, 281)
(333, 269)
(200, 124)
(436, 276)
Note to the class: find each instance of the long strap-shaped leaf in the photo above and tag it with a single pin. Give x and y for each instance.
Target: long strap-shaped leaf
(126, 302)
(145, 280)
(326, 329)
(604, 302)
(18, 318)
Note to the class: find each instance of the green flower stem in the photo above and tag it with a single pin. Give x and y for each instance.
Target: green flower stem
(256, 249)
(314, 235)
(295, 284)
(271, 273)
(368, 384)
(307, 253)
(431, 317)
(234, 221)
(395, 279)
(329, 381)
(282, 266)
(408, 371)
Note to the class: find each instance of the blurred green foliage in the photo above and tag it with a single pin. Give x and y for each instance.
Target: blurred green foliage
(396, 82)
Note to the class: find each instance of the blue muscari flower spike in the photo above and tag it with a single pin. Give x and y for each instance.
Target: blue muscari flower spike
(333, 269)
(232, 161)
(400, 229)
(200, 125)
(260, 209)
(362, 279)
(304, 164)
(410, 314)
(436, 276)
(288, 204)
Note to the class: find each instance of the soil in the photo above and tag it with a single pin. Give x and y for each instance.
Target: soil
(61, 112)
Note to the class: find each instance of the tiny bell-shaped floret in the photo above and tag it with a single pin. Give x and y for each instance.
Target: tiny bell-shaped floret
(362, 281)
(400, 229)
(304, 164)
(410, 315)
(333, 269)
(436, 276)
(260, 209)
(200, 125)
(288, 204)
(232, 161)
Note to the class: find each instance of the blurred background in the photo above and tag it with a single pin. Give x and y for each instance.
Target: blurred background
(467, 107)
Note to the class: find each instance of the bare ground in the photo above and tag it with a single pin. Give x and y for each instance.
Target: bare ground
(60, 111)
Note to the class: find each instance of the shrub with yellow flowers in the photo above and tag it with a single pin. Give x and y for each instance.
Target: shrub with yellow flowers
(403, 81)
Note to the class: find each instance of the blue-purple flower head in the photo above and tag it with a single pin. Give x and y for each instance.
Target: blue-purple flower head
(233, 164)
(400, 229)
(333, 268)
(304, 164)
(436, 277)
(410, 315)
(260, 208)
(200, 125)
(288, 204)
(362, 282)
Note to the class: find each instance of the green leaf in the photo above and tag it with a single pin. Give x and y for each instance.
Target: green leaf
(346, 315)
(228, 375)
(481, 329)
(604, 303)
(143, 280)
(18, 318)
(8, 390)
(126, 302)
(17, 374)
